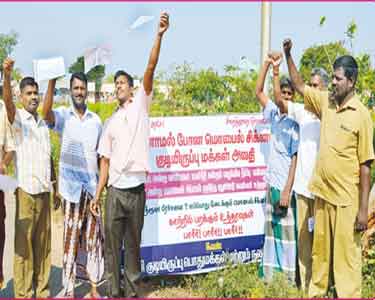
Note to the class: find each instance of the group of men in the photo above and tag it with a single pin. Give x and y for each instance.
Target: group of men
(91, 156)
(318, 177)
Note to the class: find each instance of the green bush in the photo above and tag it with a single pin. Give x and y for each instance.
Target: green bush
(242, 280)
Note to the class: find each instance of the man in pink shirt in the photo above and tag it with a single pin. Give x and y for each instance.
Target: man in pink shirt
(123, 148)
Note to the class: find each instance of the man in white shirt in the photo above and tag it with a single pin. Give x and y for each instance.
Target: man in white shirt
(308, 148)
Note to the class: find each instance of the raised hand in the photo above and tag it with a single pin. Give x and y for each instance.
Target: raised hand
(287, 45)
(164, 23)
(8, 66)
(275, 57)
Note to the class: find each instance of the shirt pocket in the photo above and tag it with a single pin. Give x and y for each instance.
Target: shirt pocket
(343, 139)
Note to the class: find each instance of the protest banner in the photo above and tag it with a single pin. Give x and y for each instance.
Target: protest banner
(205, 193)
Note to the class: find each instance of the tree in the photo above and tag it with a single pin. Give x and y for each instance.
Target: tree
(321, 56)
(7, 44)
(204, 91)
(96, 74)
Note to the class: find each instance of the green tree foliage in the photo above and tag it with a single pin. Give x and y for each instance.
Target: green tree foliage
(321, 56)
(204, 91)
(7, 44)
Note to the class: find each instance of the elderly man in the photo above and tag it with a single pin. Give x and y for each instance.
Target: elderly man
(308, 147)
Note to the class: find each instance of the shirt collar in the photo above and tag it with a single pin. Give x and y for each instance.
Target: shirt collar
(87, 114)
(28, 116)
(352, 103)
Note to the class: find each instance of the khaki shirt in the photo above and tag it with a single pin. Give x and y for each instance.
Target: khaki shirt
(345, 142)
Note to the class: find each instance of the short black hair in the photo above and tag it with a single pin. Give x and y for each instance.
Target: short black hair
(350, 66)
(285, 82)
(129, 78)
(28, 81)
(80, 76)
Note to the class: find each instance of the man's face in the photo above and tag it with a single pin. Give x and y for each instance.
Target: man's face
(78, 91)
(123, 90)
(30, 98)
(287, 93)
(317, 82)
(341, 86)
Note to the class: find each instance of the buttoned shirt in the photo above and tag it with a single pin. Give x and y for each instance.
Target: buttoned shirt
(33, 152)
(125, 141)
(283, 145)
(345, 142)
(78, 166)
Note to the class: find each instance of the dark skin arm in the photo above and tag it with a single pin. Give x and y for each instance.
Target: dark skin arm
(276, 59)
(364, 183)
(47, 112)
(6, 161)
(103, 177)
(148, 77)
(259, 89)
(7, 90)
(285, 194)
(55, 195)
(295, 77)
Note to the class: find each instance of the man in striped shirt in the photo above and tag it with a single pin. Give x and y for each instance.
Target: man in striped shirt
(79, 130)
(32, 259)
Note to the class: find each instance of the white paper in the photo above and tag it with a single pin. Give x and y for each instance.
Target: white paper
(310, 224)
(97, 56)
(141, 21)
(45, 69)
(7, 183)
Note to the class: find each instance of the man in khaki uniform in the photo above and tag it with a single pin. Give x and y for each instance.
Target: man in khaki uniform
(341, 179)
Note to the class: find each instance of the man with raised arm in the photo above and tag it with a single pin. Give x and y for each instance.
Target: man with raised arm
(34, 168)
(341, 179)
(279, 250)
(79, 130)
(308, 147)
(124, 162)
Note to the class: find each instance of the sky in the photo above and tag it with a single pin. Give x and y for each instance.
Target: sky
(206, 34)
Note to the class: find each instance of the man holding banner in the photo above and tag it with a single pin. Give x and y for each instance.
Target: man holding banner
(124, 151)
(279, 250)
(341, 180)
(34, 168)
(80, 130)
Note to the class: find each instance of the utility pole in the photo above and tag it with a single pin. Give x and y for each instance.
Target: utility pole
(265, 38)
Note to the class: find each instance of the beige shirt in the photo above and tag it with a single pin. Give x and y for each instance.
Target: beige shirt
(345, 143)
(33, 153)
(125, 140)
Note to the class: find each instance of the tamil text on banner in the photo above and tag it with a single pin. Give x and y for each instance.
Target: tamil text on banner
(205, 193)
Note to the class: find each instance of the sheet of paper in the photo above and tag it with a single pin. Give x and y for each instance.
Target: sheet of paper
(45, 69)
(7, 183)
(141, 21)
(97, 56)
